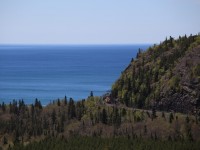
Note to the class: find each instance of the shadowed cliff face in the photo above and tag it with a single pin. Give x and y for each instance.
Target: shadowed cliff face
(185, 98)
(166, 76)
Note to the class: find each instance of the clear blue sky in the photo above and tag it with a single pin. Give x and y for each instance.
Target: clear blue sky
(96, 21)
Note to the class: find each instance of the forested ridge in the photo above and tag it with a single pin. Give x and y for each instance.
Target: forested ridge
(155, 104)
(166, 76)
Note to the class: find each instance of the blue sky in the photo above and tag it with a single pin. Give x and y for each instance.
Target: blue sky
(96, 21)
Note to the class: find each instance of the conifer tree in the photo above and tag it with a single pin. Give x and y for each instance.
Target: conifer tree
(171, 117)
(3, 107)
(53, 116)
(58, 102)
(154, 112)
(71, 109)
(104, 116)
(91, 94)
(5, 140)
(65, 100)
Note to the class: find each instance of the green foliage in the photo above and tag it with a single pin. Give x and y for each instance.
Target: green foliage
(196, 43)
(174, 82)
(140, 81)
(196, 70)
(116, 117)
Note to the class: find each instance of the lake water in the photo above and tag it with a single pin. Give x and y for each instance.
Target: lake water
(50, 72)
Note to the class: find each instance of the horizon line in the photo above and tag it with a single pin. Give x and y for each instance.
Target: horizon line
(77, 44)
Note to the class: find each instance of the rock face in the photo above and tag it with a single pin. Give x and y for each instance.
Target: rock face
(184, 100)
(166, 75)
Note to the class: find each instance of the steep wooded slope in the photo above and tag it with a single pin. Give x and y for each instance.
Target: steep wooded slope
(166, 76)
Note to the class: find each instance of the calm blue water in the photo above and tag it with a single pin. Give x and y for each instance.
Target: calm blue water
(51, 72)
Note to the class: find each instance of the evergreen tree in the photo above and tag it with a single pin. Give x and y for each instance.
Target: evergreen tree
(5, 140)
(154, 112)
(3, 107)
(171, 117)
(91, 94)
(38, 104)
(79, 110)
(53, 116)
(145, 129)
(10, 108)
(163, 114)
(65, 100)
(71, 109)
(104, 116)
(187, 119)
(58, 102)
(116, 117)
(62, 122)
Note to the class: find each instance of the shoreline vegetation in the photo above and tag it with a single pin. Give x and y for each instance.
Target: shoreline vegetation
(155, 104)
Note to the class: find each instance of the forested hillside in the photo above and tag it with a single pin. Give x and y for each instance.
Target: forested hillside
(155, 104)
(69, 123)
(166, 76)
